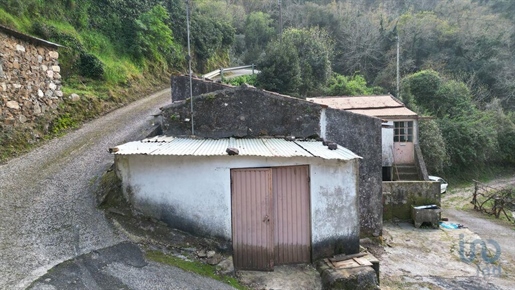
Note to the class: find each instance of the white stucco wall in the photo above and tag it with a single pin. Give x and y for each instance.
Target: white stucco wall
(199, 190)
(387, 143)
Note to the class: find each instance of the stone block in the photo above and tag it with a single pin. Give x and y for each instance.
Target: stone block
(363, 277)
(426, 214)
(13, 105)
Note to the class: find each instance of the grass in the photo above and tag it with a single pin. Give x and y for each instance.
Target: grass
(465, 178)
(192, 266)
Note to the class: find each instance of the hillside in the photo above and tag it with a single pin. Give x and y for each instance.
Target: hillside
(458, 51)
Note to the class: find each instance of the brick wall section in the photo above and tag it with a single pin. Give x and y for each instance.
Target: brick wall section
(30, 80)
(244, 112)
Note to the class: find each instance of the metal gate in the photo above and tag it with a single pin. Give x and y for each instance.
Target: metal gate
(253, 247)
(292, 235)
(270, 217)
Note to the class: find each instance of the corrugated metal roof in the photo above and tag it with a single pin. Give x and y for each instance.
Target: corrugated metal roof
(376, 106)
(264, 147)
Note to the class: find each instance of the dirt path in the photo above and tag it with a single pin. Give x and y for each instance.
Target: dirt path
(47, 212)
(441, 259)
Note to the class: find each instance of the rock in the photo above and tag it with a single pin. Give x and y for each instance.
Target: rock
(53, 54)
(332, 146)
(217, 258)
(191, 250)
(40, 59)
(37, 109)
(20, 48)
(59, 94)
(3, 87)
(17, 86)
(226, 266)
(201, 254)
(22, 119)
(13, 105)
(232, 151)
(9, 121)
(56, 68)
(44, 67)
(74, 97)
(49, 93)
(211, 254)
(40, 93)
(50, 73)
(52, 86)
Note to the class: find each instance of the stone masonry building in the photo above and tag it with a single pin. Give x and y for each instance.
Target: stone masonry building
(30, 79)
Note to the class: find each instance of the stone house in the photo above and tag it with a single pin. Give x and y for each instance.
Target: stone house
(405, 177)
(250, 112)
(274, 201)
(30, 79)
(399, 132)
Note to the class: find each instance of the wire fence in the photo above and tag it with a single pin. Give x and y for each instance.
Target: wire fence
(494, 201)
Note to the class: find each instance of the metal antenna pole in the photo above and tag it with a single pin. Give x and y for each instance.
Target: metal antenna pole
(280, 20)
(398, 73)
(189, 64)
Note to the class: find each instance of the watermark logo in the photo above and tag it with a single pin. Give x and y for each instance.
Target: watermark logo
(491, 268)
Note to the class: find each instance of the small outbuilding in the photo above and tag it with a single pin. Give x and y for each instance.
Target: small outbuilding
(275, 201)
(399, 130)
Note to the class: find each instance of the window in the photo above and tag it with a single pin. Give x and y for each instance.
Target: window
(403, 131)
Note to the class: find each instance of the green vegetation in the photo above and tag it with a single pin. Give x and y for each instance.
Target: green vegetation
(193, 266)
(455, 59)
(246, 79)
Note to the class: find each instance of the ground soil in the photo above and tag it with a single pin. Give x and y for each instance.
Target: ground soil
(411, 258)
(429, 258)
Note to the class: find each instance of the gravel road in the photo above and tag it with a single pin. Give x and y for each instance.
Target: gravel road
(48, 213)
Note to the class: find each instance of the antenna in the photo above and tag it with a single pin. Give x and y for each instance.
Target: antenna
(189, 64)
(398, 73)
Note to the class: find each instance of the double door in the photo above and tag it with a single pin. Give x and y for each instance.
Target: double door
(270, 217)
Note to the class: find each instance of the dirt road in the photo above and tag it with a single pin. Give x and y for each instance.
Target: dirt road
(441, 259)
(48, 213)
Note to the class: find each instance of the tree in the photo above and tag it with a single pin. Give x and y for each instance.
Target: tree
(309, 51)
(154, 39)
(280, 69)
(259, 31)
(355, 85)
(433, 146)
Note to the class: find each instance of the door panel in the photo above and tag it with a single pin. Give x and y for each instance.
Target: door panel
(252, 220)
(292, 235)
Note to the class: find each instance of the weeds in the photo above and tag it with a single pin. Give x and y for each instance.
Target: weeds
(193, 266)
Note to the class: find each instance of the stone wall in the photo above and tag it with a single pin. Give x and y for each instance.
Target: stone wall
(243, 112)
(247, 111)
(362, 135)
(399, 196)
(30, 80)
(181, 87)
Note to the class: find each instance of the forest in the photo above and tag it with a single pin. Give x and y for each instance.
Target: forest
(456, 57)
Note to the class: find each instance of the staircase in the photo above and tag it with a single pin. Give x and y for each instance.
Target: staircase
(405, 172)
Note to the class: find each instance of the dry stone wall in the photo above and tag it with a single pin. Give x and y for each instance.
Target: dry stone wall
(30, 81)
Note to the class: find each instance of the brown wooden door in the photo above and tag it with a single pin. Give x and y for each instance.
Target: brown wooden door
(292, 234)
(252, 221)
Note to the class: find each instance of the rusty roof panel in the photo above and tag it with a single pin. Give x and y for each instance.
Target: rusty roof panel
(387, 112)
(361, 102)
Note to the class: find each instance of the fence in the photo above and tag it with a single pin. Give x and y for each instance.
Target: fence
(221, 71)
(494, 201)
